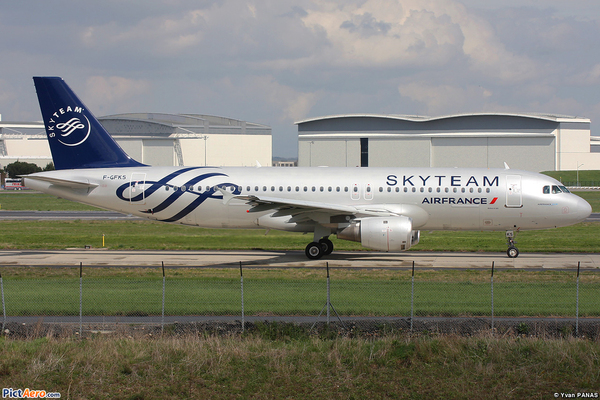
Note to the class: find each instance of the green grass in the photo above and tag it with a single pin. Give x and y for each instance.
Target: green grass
(25, 200)
(396, 366)
(586, 177)
(126, 291)
(150, 235)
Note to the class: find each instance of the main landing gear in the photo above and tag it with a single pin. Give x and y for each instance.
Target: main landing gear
(316, 250)
(512, 251)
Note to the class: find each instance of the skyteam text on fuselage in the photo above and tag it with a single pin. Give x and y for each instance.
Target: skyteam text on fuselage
(383, 208)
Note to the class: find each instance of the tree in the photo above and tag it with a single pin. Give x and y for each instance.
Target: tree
(49, 166)
(19, 168)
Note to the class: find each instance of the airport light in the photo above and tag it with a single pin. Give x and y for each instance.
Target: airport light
(578, 165)
(204, 137)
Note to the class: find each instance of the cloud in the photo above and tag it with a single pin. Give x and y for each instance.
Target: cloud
(444, 99)
(114, 94)
(292, 104)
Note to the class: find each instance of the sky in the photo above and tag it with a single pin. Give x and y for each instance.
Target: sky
(276, 62)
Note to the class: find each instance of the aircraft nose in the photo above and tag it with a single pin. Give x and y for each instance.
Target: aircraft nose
(583, 209)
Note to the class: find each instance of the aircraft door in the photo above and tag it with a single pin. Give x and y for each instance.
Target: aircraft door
(137, 187)
(514, 196)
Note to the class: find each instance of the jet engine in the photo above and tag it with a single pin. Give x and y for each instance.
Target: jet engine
(382, 233)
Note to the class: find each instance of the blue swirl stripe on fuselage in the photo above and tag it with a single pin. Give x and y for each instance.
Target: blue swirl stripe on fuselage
(201, 196)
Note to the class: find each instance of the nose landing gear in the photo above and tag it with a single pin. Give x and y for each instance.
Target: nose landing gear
(512, 251)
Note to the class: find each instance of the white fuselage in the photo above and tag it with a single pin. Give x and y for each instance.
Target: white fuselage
(435, 198)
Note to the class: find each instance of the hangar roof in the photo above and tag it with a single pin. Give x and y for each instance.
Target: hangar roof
(174, 120)
(423, 118)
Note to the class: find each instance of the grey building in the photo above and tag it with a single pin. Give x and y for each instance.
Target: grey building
(156, 139)
(485, 140)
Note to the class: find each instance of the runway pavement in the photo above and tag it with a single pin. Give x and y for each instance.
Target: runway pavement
(293, 259)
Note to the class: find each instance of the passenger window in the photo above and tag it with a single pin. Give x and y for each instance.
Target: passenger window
(389, 189)
(380, 189)
(329, 189)
(487, 190)
(355, 189)
(305, 189)
(272, 188)
(247, 188)
(314, 189)
(289, 188)
(297, 188)
(478, 190)
(446, 190)
(256, 188)
(337, 189)
(462, 190)
(470, 190)
(345, 188)
(422, 189)
(368, 189)
(438, 190)
(321, 188)
(414, 189)
(430, 189)
(167, 188)
(281, 188)
(398, 189)
(264, 188)
(455, 190)
(405, 189)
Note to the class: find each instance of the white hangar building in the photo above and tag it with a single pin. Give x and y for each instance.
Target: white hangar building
(156, 139)
(485, 140)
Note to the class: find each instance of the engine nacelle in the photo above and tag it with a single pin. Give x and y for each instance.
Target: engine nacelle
(382, 233)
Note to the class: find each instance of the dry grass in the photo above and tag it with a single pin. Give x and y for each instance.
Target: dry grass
(395, 366)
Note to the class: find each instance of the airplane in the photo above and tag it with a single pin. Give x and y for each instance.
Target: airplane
(382, 208)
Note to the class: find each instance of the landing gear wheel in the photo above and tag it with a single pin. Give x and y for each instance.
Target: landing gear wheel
(327, 246)
(512, 252)
(314, 251)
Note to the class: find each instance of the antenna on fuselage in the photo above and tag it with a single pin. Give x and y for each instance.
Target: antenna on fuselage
(506, 165)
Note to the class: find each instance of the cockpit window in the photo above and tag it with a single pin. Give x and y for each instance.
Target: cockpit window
(554, 189)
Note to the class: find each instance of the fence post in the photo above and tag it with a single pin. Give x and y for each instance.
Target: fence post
(492, 280)
(3, 305)
(577, 303)
(412, 296)
(242, 288)
(162, 320)
(328, 296)
(80, 299)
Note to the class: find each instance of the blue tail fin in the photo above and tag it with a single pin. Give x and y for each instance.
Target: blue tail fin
(76, 138)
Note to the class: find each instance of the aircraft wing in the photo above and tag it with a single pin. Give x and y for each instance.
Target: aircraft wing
(70, 183)
(298, 208)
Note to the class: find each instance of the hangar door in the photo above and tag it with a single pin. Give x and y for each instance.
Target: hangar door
(158, 153)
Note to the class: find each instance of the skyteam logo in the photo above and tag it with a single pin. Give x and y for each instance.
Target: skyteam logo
(69, 126)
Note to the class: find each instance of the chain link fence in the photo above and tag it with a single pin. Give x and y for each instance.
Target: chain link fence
(459, 301)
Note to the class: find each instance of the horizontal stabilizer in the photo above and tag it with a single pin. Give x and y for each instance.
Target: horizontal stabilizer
(70, 183)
